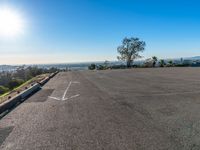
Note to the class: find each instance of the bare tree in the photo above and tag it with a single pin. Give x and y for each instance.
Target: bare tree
(130, 49)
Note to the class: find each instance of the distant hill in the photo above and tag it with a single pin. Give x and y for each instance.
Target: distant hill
(193, 58)
(7, 68)
(84, 66)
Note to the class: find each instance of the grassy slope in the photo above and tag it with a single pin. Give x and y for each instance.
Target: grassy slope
(34, 79)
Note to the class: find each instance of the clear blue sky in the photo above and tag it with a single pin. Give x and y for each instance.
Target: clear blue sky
(86, 30)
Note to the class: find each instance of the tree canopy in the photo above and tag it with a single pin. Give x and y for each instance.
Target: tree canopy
(130, 49)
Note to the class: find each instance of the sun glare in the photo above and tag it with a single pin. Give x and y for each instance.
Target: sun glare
(11, 23)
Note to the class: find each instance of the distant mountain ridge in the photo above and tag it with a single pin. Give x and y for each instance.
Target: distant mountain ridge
(193, 58)
(84, 66)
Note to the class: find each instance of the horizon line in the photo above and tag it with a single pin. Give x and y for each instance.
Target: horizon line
(82, 62)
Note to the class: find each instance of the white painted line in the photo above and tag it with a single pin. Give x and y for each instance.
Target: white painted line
(71, 97)
(65, 93)
(75, 96)
(54, 98)
(66, 90)
(75, 82)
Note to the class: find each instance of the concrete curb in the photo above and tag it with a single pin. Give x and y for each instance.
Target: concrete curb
(44, 81)
(30, 91)
(9, 104)
(19, 98)
(47, 78)
(53, 74)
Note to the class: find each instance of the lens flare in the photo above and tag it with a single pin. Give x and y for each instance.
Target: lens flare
(11, 23)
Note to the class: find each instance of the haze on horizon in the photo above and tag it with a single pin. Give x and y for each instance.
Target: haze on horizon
(35, 31)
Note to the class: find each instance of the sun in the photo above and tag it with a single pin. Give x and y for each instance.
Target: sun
(11, 23)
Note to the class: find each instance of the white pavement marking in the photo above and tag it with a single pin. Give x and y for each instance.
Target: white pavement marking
(54, 98)
(75, 96)
(66, 90)
(71, 97)
(75, 82)
(65, 93)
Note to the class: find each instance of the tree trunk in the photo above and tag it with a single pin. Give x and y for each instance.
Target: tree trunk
(154, 64)
(129, 63)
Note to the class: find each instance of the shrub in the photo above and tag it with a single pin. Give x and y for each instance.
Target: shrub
(182, 65)
(14, 83)
(149, 63)
(92, 67)
(3, 90)
(101, 67)
(119, 67)
(162, 63)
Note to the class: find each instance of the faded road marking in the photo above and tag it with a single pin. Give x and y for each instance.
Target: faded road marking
(65, 93)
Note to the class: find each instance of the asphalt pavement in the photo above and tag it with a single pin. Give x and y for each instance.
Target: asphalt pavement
(130, 109)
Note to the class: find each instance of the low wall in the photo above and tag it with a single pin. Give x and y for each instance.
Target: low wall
(19, 98)
(9, 104)
(47, 78)
(53, 74)
(30, 91)
(44, 81)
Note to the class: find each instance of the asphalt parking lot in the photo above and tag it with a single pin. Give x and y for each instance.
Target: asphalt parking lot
(134, 109)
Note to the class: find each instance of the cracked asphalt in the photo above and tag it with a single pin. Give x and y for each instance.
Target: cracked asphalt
(133, 109)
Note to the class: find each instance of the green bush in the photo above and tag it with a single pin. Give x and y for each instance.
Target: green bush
(119, 67)
(3, 89)
(162, 63)
(92, 67)
(15, 83)
(101, 67)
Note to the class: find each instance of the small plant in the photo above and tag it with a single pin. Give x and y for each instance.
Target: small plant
(170, 63)
(3, 89)
(92, 67)
(148, 63)
(155, 59)
(106, 64)
(162, 63)
(100, 67)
